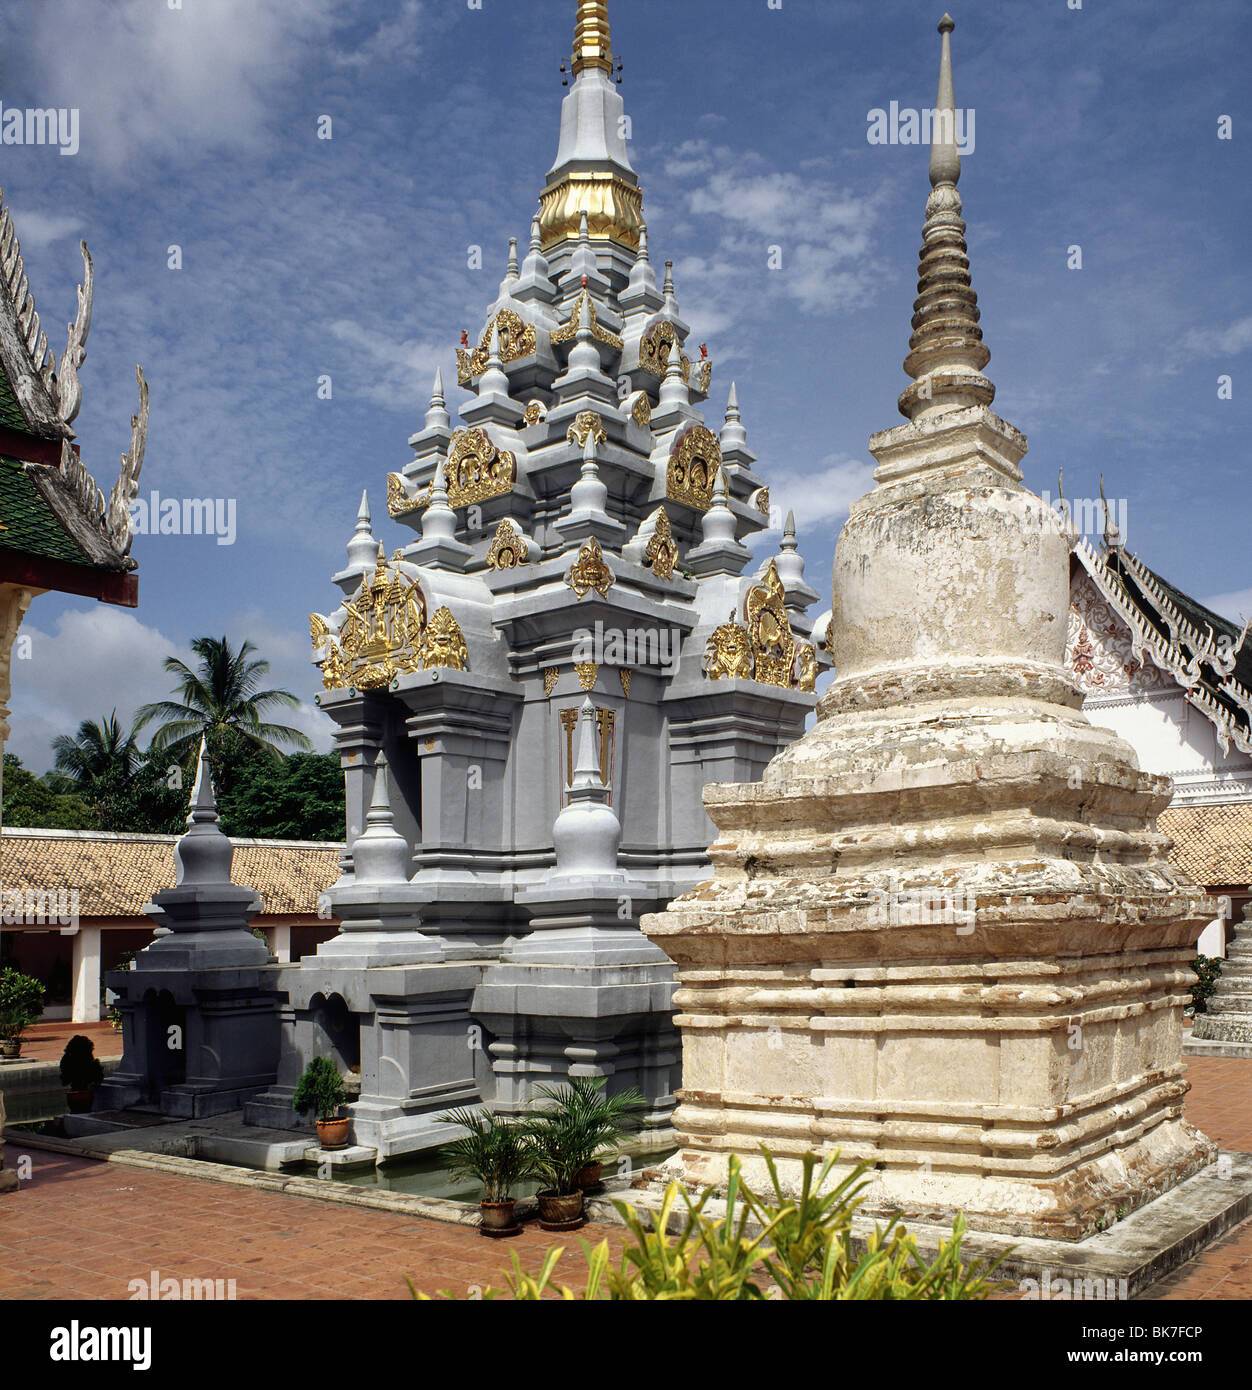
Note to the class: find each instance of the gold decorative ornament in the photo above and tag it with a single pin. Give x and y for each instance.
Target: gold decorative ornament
(589, 571)
(728, 655)
(444, 645)
(587, 673)
(568, 331)
(517, 340)
(550, 674)
(536, 412)
(381, 636)
(706, 376)
(613, 206)
(641, 411)
(508, 549)
(760, 500)
(806, 667)
(655, 347)
(478, 470)
(624, 675)
(661, 553)
(693, 466)
(606, 722)
(587, 422)
(773, 646)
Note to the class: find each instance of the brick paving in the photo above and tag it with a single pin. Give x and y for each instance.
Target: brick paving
(44, 1042)
(85, 1229)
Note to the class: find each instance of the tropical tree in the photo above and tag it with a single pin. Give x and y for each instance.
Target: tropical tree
(99, 752)
(222, 698)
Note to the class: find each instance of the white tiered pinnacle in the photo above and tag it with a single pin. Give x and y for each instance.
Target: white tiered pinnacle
(362, 549)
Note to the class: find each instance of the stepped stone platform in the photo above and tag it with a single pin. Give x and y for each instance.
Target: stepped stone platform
(1225, 1030)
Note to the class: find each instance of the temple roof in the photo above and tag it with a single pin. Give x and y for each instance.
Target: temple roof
(1212, 844)
(116, 875)
(1207, 656)
(57, 530)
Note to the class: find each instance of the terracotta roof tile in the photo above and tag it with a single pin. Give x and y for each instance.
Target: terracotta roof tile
(117, 874)
(1212, 844)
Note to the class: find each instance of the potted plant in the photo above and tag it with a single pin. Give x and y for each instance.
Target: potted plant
(605, 1120)
(81, 1073)
(321, 1090)
(495, 1153)
(21, 1003)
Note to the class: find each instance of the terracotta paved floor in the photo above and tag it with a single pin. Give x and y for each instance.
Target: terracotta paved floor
(44, 1042)
(81, 1228)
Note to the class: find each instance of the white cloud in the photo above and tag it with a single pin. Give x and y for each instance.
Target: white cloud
(401, 370)
(93, 661)
(39, 229)
(820, 495)
(1220, 342)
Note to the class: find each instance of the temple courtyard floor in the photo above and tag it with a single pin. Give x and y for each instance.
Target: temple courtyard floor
(82, 1228)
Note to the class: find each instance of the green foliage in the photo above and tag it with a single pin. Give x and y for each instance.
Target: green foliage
(494, 1153)
(41, 803)
(796, 1247)
(1208, 970)
(579, 1124)
(223, 693)
(320, 1089)
(97, 751)
(21, 1002)
(80, 1069)
(150, 801)
(299, 798)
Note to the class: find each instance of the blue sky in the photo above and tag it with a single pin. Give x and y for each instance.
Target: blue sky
(302, 257)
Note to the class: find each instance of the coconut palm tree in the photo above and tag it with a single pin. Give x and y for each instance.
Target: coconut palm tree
(98, 753)
(222, 698)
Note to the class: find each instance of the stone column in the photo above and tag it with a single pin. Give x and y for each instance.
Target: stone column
(86, 970)
(942, 935)
(1228, 1016)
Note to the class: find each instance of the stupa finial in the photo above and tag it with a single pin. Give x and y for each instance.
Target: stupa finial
(946, 351)
(945, 157)
(732, 404)
(536, 244)
(592, 40)
(203, 807)
(513, 270)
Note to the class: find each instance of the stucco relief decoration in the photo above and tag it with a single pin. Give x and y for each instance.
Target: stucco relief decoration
(535, 414)
(478, 470)
(517, 340)
(589, 571)
(399, 503)
(661, 553)
(655, 347)
(508, 549)
(762, 648)
(1099, 651)
(568, 331)
(586, 422)
(641, 409)
(691, 473)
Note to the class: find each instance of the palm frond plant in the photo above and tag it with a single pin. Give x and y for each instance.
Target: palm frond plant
(96, 753)
(495, 1153)
(223, 697)
(597, 1122)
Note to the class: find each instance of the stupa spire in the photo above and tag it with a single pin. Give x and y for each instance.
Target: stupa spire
(946, 351)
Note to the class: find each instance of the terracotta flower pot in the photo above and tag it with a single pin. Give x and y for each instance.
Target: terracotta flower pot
(10, 1047)
(560, 1213)
(498, 1218)
(79, 1102)
(333, 1134)
(589, 1176)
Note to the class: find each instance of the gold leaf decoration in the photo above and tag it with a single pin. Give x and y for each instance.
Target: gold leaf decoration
(760, 500)
(550, 674)
(624, 675)
(586, 422)
(691, 473)
(508, 549)
(728, 656)
(661, 553)
(641, 410)
(478, 470)
(587, 673)
(655, 347)
(568, 331)
(589, 571)
(536, 412)
(517, 340)
(763, 648)
(444, 644)
(381, 635)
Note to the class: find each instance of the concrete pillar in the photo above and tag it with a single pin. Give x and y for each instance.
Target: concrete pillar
(86, 975)
(280, 941)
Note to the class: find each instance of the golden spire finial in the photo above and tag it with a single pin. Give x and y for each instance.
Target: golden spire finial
(591, 37)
